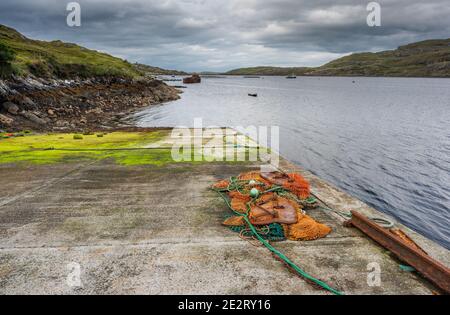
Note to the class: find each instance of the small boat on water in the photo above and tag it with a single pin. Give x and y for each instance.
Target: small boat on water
(195, 78)
(292, 76)
(253, 94)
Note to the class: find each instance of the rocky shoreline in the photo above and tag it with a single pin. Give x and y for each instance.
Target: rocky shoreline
(76, 105)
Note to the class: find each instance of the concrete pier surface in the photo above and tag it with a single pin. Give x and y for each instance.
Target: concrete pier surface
(156, 229)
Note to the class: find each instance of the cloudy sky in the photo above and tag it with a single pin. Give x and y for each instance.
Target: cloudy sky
(217, 35)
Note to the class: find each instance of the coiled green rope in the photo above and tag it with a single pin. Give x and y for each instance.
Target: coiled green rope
(236, 185)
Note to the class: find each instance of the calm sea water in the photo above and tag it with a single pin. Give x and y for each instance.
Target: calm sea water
(383, 140)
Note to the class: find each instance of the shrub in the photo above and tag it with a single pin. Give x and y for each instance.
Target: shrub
(77, 137)
(7, 56)
(40, 68)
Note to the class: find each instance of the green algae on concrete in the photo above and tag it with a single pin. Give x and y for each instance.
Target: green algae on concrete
(125, 148)
(114, 140)
(53, 148)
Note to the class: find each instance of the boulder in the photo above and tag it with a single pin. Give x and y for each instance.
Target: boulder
(5, 90)
(27, 102)
(5, 120)
(11, 108)
(33, 118)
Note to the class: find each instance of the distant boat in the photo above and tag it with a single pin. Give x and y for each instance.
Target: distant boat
(253, 94)
(195, 78)
(251, 77)
(292, 76)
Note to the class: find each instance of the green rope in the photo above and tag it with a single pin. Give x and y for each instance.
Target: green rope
(383, 222)
(233, 184)
(272, 232)
(289, 262)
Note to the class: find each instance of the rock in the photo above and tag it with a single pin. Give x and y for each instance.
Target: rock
(62, 123)
(96, 111)
(27, 102)
(5, 120)
(71, 104)
(11, 108)
(32, 117)
(5, 90)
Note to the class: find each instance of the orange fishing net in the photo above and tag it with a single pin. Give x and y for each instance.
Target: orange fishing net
(297, 185)
(271, 207)
(239, 205)
(221, 184)
(239, 201)
(256, 176)
(238, 195)
(306, 229)
(293, 182)
(234, 221)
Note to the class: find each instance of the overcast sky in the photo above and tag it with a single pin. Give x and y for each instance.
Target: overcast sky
(217, 35)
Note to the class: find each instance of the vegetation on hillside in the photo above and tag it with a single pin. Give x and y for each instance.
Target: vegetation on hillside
(269, 71)
(150, 70)
(7, 56)
(429, 58)
(60, 60)
(22, 56)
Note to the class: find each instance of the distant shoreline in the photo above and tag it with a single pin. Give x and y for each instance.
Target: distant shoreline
(337, 76)
(429, 58)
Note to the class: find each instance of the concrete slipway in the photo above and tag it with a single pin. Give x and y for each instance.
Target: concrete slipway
(149, 229)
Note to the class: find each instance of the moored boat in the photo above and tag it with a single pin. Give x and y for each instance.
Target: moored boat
(195, 78)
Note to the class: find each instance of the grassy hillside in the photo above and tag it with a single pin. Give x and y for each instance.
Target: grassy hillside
(22, 56)
(429, 58)
(155, 70)
(58, 59)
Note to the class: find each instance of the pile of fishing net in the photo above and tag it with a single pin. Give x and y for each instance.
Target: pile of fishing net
(273, 204)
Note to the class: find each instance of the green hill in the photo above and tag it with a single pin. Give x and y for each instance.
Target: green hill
(430, 58)
(23, 56)
(156, 70)
(268, 71)
(57, 59)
